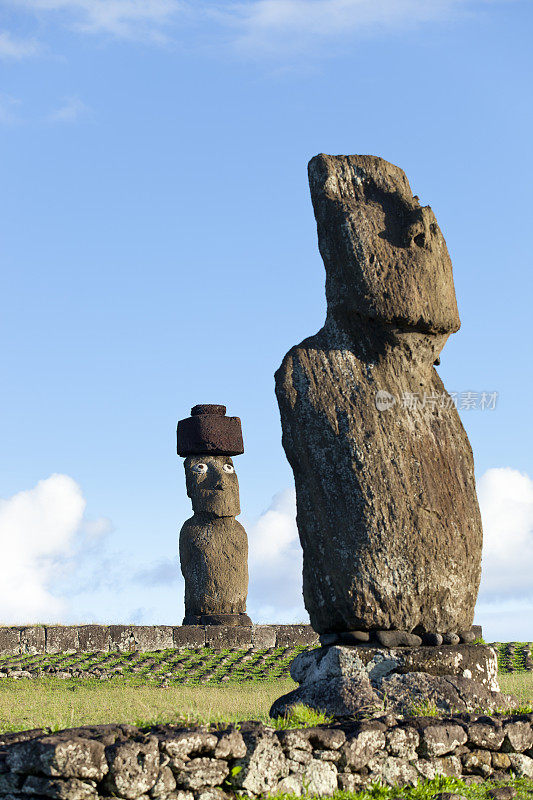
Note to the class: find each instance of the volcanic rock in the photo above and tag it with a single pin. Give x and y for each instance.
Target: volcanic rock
(387, 511)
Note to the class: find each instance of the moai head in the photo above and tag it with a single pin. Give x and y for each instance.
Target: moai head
(212, 485)
(384, 253)
(208, 439)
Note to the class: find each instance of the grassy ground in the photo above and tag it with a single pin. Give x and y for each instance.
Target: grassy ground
(55, 703)
(63, 703)
(518, 683)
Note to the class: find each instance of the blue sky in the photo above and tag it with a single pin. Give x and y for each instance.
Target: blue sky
(159, 251)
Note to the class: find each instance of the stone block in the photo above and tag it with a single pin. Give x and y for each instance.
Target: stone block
(9, 641)
(62, 639)
(263, 637)
(188, 636)
(153, 637)
(33, 639)
(94, 638)
(121, 638)
(220, 637)
(294, 635)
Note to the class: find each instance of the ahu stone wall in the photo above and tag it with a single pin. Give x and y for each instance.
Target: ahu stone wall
(33, 639)
(210, 763)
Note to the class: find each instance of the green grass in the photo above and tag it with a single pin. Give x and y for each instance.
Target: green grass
(167, 667)
(56, 704)
(425, 790)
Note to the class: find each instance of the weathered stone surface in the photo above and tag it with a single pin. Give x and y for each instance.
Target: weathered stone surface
(320, 779)
(522, 765)
(59, 789)
(263, 636)
(164, 784)
(33, 639)
(359, 749)
(343, 680)
(9, 640)
(502, 793)
(168, 763)
(292, 784)
(392, 770)
(449, 693)
(264, 764)
(220, 636)
(94, 638)
(478, 662)
(391, 485)
(486, 735)
(190, 744)
(398, 639)
(188, 636)
(477, 762)
(336, 697)
(153, 637)
(230, 745)
(133, 767)
(440, 738)
(403, 742)
(293, 635)
(200, 772)
(501, 761)
(61, 639)
(75, 757)
(213, 545)
(518, 737)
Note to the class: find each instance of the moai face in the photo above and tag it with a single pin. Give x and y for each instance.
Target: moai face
(384, 253)
(212, 485)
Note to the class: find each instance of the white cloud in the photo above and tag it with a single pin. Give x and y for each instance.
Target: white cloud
(70, 110)
(37, 531)
(46, 540)
(123, 19)
(290, 27)
(257, 27)
(275, 564)
(165, 572)
(12, 47)
(506, 502)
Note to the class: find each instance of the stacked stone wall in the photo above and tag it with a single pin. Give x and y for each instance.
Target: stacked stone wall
(210, 763)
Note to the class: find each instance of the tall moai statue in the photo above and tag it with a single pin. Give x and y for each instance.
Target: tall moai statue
(386, 503)
(213, 545)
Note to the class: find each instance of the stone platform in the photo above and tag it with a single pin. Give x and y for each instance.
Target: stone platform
(342, 681)
(34, 639)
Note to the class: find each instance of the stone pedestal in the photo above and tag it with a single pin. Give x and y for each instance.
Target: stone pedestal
(343, 681)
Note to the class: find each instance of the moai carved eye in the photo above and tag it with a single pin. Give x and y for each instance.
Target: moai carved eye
(201, 469)
(228, 468)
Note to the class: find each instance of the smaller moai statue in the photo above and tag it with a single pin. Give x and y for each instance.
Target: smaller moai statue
(213, 545)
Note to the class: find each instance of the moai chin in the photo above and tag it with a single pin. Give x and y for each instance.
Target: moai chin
(213, 545)
(386, 504)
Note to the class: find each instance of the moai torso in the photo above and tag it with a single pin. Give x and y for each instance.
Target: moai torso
(386, 505)
(213, 544)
